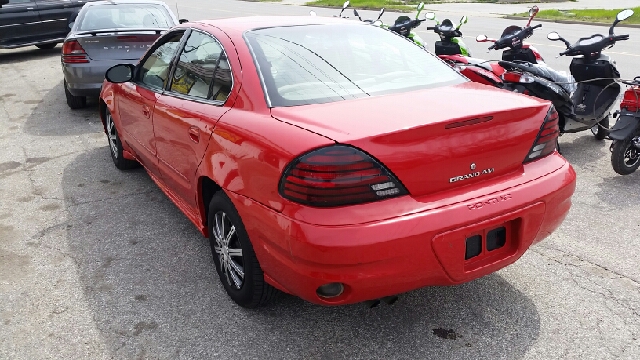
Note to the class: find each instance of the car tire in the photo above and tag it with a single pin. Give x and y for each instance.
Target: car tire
(625, 157)
(234, 257)
(74, 102)
(603, 129)
(46, 46)
(115, 145)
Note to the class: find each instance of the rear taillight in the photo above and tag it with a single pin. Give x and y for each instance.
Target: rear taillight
(547, 138)
(631, 100)
(515, 77)
(338, 175)
(73, 53)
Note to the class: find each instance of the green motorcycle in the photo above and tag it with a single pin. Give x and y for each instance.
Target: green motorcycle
(450, 36)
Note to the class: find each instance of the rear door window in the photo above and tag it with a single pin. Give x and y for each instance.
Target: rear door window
(202, 70)
(154, 71)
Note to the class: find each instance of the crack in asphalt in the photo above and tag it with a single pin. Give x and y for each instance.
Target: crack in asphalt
(606, 293)
(566, 253)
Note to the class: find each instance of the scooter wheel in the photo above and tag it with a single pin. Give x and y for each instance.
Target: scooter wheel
(625, 156)
(601, 129)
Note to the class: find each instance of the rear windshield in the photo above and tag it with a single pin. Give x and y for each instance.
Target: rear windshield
(111, 16)
(313, 64)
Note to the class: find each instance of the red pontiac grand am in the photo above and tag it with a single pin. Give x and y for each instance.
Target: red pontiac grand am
(334, 160)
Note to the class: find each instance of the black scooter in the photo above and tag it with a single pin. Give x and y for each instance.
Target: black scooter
(625, 149)
(590, 105)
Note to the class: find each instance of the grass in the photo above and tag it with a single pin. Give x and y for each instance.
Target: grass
(589, 15)
(370, 4)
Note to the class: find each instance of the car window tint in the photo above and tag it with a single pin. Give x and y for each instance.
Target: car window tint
(136, 16)
(315, 64)
(155, 69)
(202, 69)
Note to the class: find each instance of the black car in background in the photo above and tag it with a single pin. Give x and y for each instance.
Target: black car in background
(43, 23)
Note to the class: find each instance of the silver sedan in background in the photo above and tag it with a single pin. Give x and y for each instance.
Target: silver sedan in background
(107, 33)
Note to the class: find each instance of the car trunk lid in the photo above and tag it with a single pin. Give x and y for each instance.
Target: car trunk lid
(434, 139)
(121, 45)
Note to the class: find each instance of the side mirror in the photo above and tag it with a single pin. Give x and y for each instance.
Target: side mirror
(3, 2)
(355, 13)
(420, 7)
(624, 15)
(344, 6)
(463, 20)
(71, 24)
(533, 11)
(182, 21)
(482, 38)
(553, 36)
(120, 73)
(312, 13)
(430, 16)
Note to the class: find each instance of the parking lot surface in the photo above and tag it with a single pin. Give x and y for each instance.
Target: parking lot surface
(98, 263)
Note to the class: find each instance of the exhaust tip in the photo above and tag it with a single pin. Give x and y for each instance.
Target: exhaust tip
(330, 290)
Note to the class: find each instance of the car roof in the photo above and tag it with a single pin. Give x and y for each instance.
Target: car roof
(242, 24)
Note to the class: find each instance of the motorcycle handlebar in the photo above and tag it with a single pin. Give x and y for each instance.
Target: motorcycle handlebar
(431, 27)
(621, 37)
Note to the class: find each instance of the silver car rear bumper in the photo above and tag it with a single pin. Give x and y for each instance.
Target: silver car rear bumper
(86, 79)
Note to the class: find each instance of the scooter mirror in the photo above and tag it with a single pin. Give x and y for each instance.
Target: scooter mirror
(312, 13)
(553, 36)
(420, 7)
(355, 13)
(533, 11)
(345, 5)
(624, 15)
(481, 38)
(430, 16)
(464, 20)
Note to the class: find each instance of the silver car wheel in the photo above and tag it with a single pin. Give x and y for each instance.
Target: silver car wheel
(229, 250)
(594, 129)
(112, 134)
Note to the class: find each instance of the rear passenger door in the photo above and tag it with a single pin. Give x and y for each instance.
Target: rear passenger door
(199, 94)
(18, 22)
(55, 15)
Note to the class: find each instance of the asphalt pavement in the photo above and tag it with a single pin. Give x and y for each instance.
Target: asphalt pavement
(97, 263)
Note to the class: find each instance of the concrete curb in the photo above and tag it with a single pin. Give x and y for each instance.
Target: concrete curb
(510, 17)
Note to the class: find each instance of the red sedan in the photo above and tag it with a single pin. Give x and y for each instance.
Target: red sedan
(334, 160)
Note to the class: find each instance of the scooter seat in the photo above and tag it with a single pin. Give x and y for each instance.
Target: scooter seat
(543, 71)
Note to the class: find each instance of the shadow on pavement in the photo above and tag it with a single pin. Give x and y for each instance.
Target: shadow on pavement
(149, 279)
(27, 53)
(584, 149)
(52, 116)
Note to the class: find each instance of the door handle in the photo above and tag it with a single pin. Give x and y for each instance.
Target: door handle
(194, 134)
(146, 111)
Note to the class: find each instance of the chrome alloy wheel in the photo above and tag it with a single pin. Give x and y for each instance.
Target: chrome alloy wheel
(632, 153)
(229, 250)
(112, 134)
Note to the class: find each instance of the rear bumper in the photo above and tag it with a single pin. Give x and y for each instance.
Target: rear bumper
(404, 253)
(86, 79)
